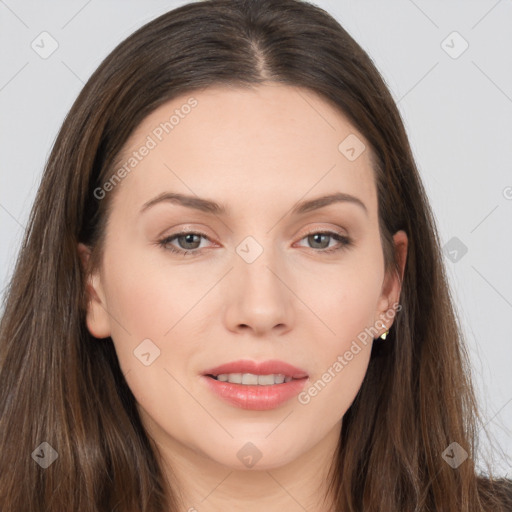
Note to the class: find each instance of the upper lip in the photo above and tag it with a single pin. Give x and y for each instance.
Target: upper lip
(271, 366)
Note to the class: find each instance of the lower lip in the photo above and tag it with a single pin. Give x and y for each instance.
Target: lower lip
(256, 398)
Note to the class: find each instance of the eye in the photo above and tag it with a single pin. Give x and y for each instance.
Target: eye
(184, 238)
(315, 238)
(189, 240)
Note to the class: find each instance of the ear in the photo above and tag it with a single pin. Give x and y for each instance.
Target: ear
(97, 317)
(390, 297)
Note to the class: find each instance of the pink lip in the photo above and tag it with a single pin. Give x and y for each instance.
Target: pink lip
(271, 366)
(256, 397)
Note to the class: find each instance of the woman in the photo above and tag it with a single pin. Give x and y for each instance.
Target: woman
(256, 370)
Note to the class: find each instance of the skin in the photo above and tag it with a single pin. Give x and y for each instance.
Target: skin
(258, 152)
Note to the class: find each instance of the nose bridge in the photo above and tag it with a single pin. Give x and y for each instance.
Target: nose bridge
(257, 263)
(258, 297)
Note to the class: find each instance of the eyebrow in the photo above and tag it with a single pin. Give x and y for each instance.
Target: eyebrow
(209, 206)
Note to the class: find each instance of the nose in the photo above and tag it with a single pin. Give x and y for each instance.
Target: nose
(258, 296)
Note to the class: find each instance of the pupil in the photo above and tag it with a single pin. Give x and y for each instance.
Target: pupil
(188, 239)
(319, 235)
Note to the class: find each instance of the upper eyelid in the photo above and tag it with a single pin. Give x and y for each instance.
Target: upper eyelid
(327, 226)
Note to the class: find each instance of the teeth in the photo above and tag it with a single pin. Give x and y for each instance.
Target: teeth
(262, 380)
(249, 378)
(253, 380)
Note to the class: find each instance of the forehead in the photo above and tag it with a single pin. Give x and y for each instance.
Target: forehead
(241, 144)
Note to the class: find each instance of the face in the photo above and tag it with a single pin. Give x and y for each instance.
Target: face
(262, 279)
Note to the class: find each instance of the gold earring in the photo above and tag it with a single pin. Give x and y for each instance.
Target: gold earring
(383, 336)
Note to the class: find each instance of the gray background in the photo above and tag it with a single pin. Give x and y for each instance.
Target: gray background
(457, 107)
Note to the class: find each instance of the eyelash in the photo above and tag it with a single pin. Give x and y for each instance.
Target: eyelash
(164, 242)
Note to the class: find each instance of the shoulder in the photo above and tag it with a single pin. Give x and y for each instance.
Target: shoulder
(495, 493)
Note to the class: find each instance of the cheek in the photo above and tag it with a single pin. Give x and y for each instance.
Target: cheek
(340, 360)
(345, 297)
(151, 301)
(147, 297)
(331, 392)
(346, 305)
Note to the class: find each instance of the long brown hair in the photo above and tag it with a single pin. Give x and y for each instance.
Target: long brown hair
(62, 386)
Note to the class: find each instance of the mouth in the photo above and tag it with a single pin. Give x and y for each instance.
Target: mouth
(253, 373)
(253, 385)
(252, 379)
